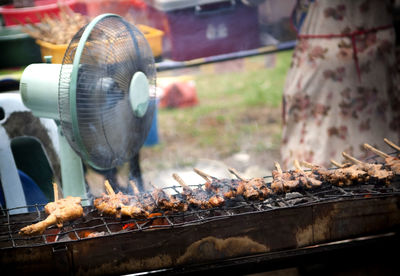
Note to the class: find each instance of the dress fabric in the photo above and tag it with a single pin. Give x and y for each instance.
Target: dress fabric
(342, 89)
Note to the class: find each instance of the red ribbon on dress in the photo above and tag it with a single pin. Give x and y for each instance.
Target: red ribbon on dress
(353, 36)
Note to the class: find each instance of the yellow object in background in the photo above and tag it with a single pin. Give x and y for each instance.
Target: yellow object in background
(153, 37)
(57, 51)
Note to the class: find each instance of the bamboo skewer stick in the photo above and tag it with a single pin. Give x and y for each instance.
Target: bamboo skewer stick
(205, 176)
(390, 143)
(297, 165)
(134, 187)
(237, 174)
(337, 164)
(278, 167)
(55, 190)
(376, 151)
(352, 159)
(109, 189)
(306, 164)
(180, 180)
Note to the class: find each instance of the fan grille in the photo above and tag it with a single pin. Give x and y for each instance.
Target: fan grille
(95, 113)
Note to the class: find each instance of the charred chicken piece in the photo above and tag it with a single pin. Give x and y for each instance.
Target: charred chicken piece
(283, 181)
(225, 188)
(345, 175)
(254, 188)
(175, 203)
(392, 162)
(198, 197)
(145, 199)
(59, 211)
(308, 179)
(119, 205)
(374, 171)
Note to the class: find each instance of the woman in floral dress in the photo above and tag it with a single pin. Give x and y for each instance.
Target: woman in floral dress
(342, 89)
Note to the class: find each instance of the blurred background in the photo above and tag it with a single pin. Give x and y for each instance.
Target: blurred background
(221, 69)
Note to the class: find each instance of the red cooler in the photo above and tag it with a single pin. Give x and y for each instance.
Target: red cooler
(202, 28)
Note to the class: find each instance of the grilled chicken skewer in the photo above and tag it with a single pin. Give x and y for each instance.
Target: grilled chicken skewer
(345, 175)
(285, 181)
(198, 197)
(224, 188)
(145, 199)
(59, 211)
(175, 203)
(119, 204)
(254, 188)
(308, 180)
(392, 162)
(374, 171)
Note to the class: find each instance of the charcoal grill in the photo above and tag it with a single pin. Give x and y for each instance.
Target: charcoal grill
(241, 233)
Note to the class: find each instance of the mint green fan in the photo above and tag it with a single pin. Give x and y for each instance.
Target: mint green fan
(102, 96)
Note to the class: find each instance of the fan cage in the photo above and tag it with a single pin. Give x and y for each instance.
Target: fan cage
(95, 113)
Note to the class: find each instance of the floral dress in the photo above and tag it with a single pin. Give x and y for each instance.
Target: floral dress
(342, 89)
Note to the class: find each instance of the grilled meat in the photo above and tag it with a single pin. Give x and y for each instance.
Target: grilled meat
(120, 205)
(394, 164)
(254, 188)
(224, 188)
(176, 202)
(202, 199)
(58, 212)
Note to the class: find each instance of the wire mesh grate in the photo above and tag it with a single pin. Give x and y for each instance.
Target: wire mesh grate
(93, 224)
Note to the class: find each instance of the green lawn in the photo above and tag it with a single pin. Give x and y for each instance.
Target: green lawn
(233, 107)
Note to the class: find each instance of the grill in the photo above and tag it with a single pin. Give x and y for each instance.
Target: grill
(239, 233)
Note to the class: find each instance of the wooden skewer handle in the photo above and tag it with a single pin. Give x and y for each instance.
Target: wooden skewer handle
(351, 158)
(297, 165)
(390, 143)
(278, 167)
(179, 180)
(134, 187)
(337, 164)
(237, 174)
(109, 189)
(55, 190)
(376, 151)
(205, 176)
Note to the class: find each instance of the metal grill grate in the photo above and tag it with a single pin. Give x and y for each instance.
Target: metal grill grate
(92, 223)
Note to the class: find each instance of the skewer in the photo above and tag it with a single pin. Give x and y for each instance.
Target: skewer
(134, 187)
(352, 159)
(278, 167)
(297, 165)
(306, 164)
(55, 190)
(205, 176)
(337, 164)
(109, 189)
(237, 174)
(390, 143)
(180, 181)
(376, 151)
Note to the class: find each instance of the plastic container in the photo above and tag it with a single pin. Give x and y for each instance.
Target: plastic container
(56, 51)
(154, 37)
(17, 48)
(14, 16)
(201, 28)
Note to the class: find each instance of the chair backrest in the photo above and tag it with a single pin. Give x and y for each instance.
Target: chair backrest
(22, 136)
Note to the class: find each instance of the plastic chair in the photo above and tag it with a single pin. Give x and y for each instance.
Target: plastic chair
(22, 150)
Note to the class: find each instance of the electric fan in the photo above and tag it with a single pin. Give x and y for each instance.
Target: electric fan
(102, 97)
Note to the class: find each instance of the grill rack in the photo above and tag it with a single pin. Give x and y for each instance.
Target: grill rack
(93, 222)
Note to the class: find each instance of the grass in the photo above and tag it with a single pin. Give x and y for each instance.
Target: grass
(235, 109)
